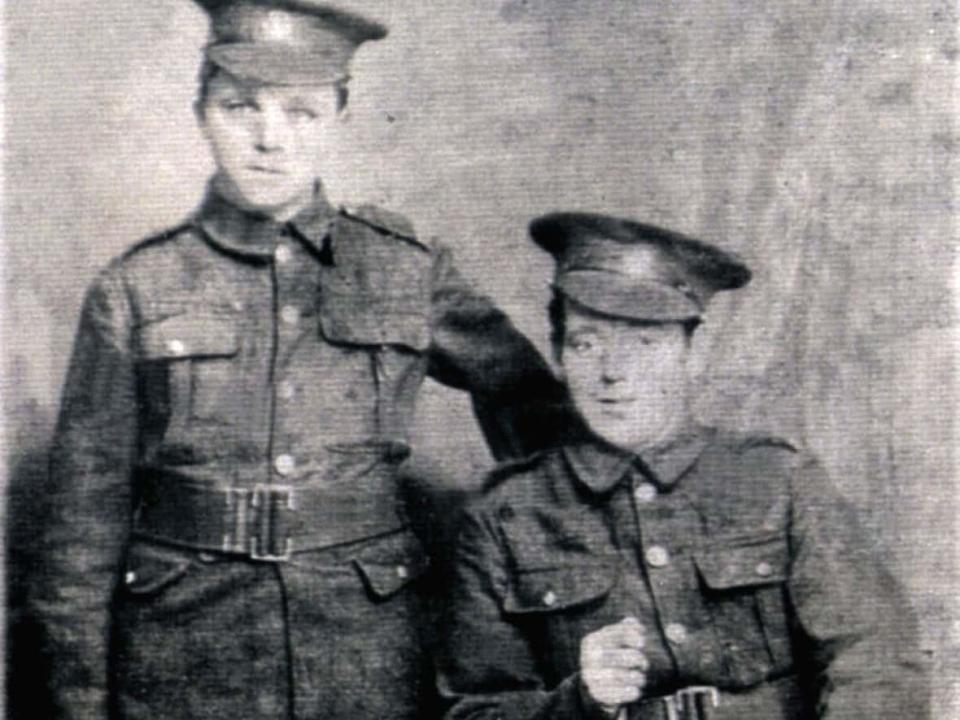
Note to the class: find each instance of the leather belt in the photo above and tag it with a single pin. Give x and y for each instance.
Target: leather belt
(264, 522)
(774, 700)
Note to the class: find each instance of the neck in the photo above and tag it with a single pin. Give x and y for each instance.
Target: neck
(280, 214)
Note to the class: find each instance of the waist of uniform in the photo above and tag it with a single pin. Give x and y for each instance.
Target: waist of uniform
(268, 521)
(777, 699)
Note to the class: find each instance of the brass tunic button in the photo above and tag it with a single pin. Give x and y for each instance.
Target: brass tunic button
(549, 598)
(657, 556)
(764, 569)
(286, 390)
(290, 314)
(130, 578)
(283, 254)
(284, 464)
(645, 492)
(176, 347)
(676, 633)
(402, 572)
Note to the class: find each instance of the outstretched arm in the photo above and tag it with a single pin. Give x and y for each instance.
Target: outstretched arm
(519, 403)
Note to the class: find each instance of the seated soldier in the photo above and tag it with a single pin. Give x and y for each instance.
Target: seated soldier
(657, 568)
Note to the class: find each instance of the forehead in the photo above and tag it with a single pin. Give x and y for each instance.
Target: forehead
(225, 84)
(583, 321)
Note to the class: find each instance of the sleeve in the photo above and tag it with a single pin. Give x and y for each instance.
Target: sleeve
(863, 635)
(89, 506)
(519, 403)
(487, 665)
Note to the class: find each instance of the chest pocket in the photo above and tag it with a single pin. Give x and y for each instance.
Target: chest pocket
(743, 579)
(558, 606)
(187, 368)
(377, 290)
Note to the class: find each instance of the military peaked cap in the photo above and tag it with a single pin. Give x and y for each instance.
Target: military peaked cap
(628, 269)
(288, 42)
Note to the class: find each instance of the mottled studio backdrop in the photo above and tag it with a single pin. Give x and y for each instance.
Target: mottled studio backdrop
(819, 139)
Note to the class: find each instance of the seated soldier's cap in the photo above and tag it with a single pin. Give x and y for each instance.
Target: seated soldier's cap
(627, 269)
(286, 42)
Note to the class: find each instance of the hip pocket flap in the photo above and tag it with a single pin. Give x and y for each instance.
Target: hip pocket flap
(149, 575)
(559, 588)
(743, 562)
(390, 563)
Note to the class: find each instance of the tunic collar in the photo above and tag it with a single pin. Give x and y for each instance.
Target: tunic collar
(254, 234)
(601, 467)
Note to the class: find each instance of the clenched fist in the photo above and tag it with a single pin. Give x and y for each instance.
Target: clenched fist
(612, 663)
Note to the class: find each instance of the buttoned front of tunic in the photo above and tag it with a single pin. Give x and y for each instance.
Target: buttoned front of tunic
(240, 391)
(746, 569)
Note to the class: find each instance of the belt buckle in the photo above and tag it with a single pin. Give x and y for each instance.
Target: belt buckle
(691, 703)
(268, 503)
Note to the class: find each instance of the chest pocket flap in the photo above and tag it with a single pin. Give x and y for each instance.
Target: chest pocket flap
(559, 588)
(743, 561)
(188, 335)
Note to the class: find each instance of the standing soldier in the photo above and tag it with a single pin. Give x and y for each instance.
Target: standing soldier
(228, 539)
(658, 569)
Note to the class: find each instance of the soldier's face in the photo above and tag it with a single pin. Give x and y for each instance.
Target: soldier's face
(267, 140)
(628, 380)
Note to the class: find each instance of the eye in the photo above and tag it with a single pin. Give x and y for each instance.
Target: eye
(302, 114)
(238, 105)
(580, 346)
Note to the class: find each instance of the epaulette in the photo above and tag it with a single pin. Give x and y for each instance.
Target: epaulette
(509, 468)
(156, 239)
(383, 221)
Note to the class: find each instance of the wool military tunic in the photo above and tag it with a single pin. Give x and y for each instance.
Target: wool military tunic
(228, 537)
(747, 570)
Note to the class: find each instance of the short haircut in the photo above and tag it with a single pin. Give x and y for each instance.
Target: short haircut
(557, 312)
(209, 70)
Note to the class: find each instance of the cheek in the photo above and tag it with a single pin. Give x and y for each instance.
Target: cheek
(226, 139)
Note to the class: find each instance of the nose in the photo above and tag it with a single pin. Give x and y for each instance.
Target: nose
(271, 131)
(612, 366)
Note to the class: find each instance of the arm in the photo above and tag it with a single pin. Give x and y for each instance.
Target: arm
(863, 634)
(488, 664)
(89, 502)
(520, 405)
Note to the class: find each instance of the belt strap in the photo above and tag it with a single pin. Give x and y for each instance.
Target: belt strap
(265, 522)
(775, 700)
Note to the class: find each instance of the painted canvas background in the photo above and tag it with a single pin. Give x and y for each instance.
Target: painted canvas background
(819, 140)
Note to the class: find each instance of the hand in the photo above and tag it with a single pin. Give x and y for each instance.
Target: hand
(612, 663)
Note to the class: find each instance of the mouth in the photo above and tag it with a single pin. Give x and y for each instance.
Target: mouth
(263, 169)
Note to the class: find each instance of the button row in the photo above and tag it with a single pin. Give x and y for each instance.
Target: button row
(657, 556)
(645, 492)
(284, 464)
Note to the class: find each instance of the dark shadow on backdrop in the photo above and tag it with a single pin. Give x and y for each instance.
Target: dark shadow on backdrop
(27, 512)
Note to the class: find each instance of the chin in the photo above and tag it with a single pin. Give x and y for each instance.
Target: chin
(618, 434)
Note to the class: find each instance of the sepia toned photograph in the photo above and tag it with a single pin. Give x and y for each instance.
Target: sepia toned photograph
(480, 360)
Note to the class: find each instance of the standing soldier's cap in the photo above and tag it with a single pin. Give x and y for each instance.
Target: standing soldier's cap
(286, 42)
(627, 269)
